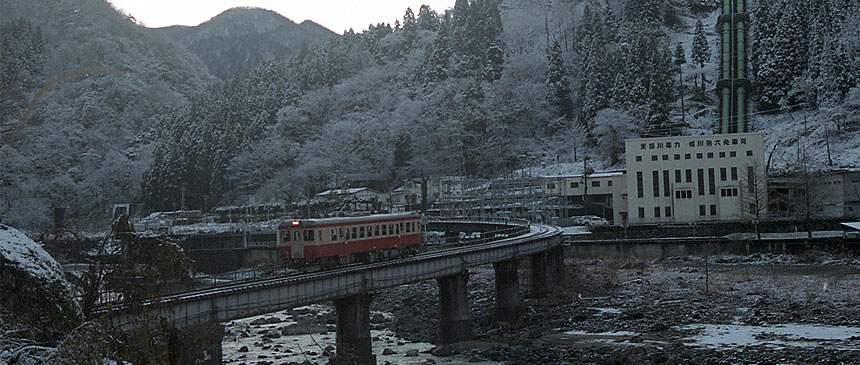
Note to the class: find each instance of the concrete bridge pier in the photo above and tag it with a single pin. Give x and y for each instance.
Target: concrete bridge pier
(508, 303)
(541, 280)
(555, 261)
(455, 317)
(353, 331)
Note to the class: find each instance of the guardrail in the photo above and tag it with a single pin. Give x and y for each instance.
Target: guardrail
(266, 295)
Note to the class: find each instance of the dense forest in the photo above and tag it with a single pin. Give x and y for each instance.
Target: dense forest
(484, 89)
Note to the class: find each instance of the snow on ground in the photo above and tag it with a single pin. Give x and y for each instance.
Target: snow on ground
(575, 230)
(778, 336)
(252, 340)
(21, 252)
(784, 235)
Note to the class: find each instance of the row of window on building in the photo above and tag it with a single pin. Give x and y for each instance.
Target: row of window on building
(699, 156)
(725, 174)
(575, 185)
(667, 211)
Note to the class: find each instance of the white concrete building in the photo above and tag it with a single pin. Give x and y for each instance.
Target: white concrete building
(603, 194)
(840, 193)
(696, 178)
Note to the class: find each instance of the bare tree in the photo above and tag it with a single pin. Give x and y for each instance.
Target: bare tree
(753, 195)
(804, 185)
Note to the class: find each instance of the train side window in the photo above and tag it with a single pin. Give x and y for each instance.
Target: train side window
(397, 227)
(376, 230)
(309, 235)
(340, 232)
(369, 231)
(334, 235)
(354, 232)
(361, 232)
(391, 228)
(401, 227)
(384, 229)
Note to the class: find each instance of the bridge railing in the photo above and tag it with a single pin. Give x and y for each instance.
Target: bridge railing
(480, 220)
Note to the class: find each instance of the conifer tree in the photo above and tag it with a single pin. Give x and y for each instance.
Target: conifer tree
(680, 60)
(700, 52)
(557, 82)
(428, 19)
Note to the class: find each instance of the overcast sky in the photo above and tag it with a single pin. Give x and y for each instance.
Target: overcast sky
(337, 15)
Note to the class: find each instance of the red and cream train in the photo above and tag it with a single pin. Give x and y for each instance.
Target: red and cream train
(335, 241)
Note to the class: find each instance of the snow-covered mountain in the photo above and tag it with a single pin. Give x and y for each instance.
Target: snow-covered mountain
(240, 39)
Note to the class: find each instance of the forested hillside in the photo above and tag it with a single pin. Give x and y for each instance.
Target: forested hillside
(484, 89)
(241, 39)
(82, 86)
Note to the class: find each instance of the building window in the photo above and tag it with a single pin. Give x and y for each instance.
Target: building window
(641, 212)
(595, 184)
(686, 156)
(689, 174)
(710, 155)
(640, 191)
(733, 154)
(665, 157)
(609, 183)
(677, 176)
(656, 212)
(712, 185)
(666, 192)
(550, 186)
(677, 156)
(734, 174)
(668, 211)
(713, 209)
(638, 158)
(701, 177)
(727, 192)
(749, 153)
(722, 155)
(683, 194)
(723, 176)
(655, 180)
(574, 185)
(699, 155)
(702, 210)
(653, 157)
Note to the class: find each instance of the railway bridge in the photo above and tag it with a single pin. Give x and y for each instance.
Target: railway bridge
(350, 287)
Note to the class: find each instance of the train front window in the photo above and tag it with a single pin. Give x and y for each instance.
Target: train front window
(298, 236)
(309, 235)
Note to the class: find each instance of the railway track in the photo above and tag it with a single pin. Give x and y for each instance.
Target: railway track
(535, 232)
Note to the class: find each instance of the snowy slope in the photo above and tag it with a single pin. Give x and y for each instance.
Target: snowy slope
(19, 251)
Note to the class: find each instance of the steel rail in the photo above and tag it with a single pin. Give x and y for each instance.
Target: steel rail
(536, 233)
